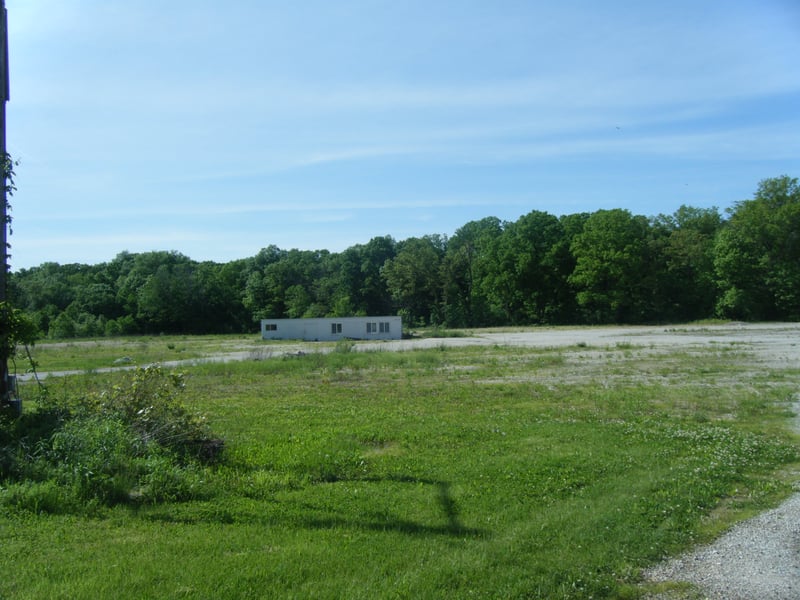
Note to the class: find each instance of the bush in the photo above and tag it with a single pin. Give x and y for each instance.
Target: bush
(164, 481)
(344, 346)
(147, 402)
(37, 497)
(98, 457)
(135, 442)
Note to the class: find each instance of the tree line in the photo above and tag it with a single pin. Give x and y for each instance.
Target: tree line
(609, 266)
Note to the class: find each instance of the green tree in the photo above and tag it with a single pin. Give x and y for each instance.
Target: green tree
(97, 299)
(413, 277)
(683, 248)
(259, 297)
(43, 286)
(170, 299)
(524, 278)
(757, 254)
(288, 284)
(232, 279)
(373, 296)
(565, 308)
(464, 268)
(136, 270)
(611, 275)
(297, 301)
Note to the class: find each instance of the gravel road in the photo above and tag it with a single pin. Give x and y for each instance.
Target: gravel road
(757, 559)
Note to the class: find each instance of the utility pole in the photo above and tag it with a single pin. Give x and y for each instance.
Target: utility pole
(6, 386)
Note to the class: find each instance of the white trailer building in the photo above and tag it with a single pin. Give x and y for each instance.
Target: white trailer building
(333, 329)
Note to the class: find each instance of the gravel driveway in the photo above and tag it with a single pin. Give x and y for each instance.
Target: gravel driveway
(757, 559)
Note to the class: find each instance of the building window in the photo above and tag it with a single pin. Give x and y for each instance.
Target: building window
(384, 326)
(336, 328)
(271, 327)
(372, 327)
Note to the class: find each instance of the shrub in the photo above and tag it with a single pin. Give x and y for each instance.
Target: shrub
(344, 346)
(98, 457)
(135, 442)
(147, 402)
(164, 481)
(36, 497)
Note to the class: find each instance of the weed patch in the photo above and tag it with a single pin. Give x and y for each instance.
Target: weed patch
(131, 443)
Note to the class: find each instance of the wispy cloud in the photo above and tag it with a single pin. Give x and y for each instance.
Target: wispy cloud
(312, 211)
(175, 124)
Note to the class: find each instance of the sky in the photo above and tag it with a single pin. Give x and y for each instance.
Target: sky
(215, 129)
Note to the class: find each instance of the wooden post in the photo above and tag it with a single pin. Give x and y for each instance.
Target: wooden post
(5, 350)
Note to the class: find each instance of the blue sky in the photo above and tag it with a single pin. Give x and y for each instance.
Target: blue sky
(218, 128)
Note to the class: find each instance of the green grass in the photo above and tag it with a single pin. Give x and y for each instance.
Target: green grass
(446, 473)
(88, 355)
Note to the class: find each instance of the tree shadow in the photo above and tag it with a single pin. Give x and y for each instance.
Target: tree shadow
(449, 507)
(372, 521)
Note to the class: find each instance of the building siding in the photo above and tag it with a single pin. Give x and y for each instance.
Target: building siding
(333, 329)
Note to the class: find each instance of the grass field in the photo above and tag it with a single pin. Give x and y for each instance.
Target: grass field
(490, 472)
(89, 355)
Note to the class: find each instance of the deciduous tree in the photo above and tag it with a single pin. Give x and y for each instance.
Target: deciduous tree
(610, 275)
(757, 255)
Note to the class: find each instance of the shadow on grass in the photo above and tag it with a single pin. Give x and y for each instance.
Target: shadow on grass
(20, 436)
(302, 514)
(445, 500)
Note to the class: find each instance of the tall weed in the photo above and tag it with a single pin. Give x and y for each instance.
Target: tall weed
(98, 457)
(148, 402)
(133, 442)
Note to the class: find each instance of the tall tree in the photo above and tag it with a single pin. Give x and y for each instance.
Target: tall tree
(287, 286)
(525, 279)
(414, 279)
(565, 305)
(259, 297)
(683, 249)
(464, 268)
(373, 296)
(359, 287)
(170, 299)
(758, 254)
(611, 275)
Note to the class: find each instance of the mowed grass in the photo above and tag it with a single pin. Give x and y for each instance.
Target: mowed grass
(445, 473)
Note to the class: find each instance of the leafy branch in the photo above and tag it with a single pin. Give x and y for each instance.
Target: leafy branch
(8, 170)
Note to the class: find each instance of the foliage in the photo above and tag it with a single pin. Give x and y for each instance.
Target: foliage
(147, 402)
(134, 442)
(17, 329)
(611, 267)
(466, 290)
(683, 249)
(524, 279)
(757, 256)
(607, 266)
(413, 278)
(7, 167)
